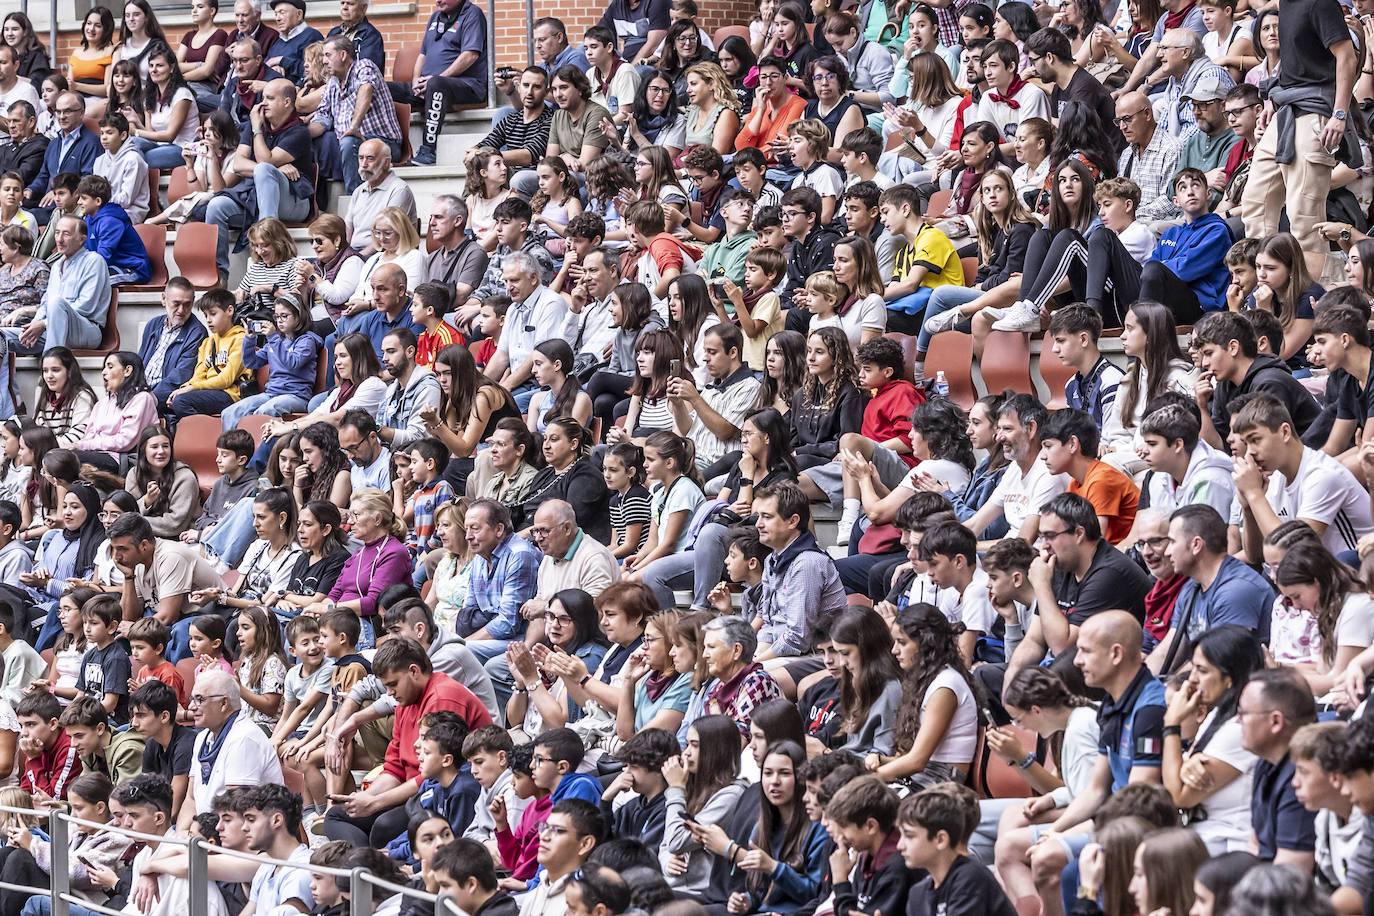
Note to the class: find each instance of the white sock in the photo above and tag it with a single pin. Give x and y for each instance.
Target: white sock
(852, 508)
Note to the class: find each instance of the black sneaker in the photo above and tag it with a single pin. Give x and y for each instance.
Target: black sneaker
(424, 156)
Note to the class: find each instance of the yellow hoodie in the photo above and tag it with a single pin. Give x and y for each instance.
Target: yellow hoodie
(219, 365)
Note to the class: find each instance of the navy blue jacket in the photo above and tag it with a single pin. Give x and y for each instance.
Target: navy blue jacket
(78, 161)
(179, 363)
(367, 41)
(292, 53)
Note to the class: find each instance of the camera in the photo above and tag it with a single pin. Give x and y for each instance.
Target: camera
(506, 73)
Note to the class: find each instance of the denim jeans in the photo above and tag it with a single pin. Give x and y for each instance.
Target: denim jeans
(274, 199)
(348, 154)
(699, 567)
(66, 328)
(164, 156)
(229, 539)
(942, 299)
(262, 405)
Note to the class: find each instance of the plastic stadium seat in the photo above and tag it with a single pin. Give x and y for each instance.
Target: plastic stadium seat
(1006, 362)
(952, 353)
(908, 343)
(1055, 374)
(177, 188)
(322, 371)
(195, 445)
(194, 253)
(109, 336)
(403, 67)
(970, 266)
(939, 202)
(255, 423)
(726, 31)
(187, 669)
(1001, 779)
(893, 141)
(155, 240)
(403, 119)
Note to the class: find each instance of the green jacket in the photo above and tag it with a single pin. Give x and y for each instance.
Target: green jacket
(123, 757)
(726, 258)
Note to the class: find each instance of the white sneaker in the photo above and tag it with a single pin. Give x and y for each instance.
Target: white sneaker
(847, 521)
(1023, 316)
(945, 321)
(997, 311)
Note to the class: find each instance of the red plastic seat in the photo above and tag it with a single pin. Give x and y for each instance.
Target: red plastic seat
(970, 266)
(403, 119)
(939, 202)
(155, 241)
(1006, 362)
(109, 335)
(194, 253)
(908, 344)
(195, 445)
(1001, 779)
(725, 31)
(255, 423)
(1055, 374)
(403, 67)
(177, 186)
(952, 353)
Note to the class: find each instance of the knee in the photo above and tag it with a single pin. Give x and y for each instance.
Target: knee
(1047, 861)
(266, 171)
(850, 441)
(1011, 844)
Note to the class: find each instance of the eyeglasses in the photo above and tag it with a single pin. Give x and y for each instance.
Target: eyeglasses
(769, 75)
(538, 760)
(791, 214)
(198, 700)
(561, 620)
(547, 829)
(650, 640)
(1127, 119)
(659, 89)
(1175, 47)
(1051, 535)
(822, 77)
(1154, 543)
(1237, 112)
(1242, 713)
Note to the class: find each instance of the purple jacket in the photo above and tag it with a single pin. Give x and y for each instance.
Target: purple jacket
(370, 571)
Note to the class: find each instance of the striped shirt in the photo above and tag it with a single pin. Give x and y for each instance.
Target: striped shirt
(431, 342)
(513, 132)
(630, 508)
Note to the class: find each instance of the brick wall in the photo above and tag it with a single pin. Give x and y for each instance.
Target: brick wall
(511, 24)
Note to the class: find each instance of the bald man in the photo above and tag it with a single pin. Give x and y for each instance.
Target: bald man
(1150, 158)
(383, 311)
(378, 187)
(1130, 741)
(277, 164)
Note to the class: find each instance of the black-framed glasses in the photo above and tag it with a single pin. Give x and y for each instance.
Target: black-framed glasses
(1051, 535)
(1237, 112)
(1158, 543)
(1127, 119)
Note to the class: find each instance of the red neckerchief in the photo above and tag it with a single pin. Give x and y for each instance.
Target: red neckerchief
(1017, 84)
(247, 97)
(1175, 20)
(752, 297)
(603, 86)
(848, 304)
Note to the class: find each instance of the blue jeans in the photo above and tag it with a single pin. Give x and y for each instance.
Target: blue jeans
(206, 401)
(492, 654)
(164, 156)
(699, 567)
(179, 639)
(230, 537)
(274, 199)
(941, 300)
(263, 405)
(66, 328)
(348, 153)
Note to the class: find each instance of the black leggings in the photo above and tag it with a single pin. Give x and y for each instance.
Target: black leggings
(606, 389)
(375, 830)
(1099, 269)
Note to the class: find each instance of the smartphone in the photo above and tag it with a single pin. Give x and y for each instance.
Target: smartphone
(674, 368)
(718, 287)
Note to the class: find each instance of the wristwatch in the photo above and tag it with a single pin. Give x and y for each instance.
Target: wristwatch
(1345, 234)
(1338, 114)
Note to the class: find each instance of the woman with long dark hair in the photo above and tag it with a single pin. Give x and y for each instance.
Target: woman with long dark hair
(1313, 580)
(786, 859)
(979, 153)
(655, 120)
(703, 789)
(470, 407)
(682, 49)
(1224, 658)
(937, 728)
(869, 683)
(202, 55)
(323, 471)
(89, 63)
(569, 475)
(1080, 133)
(357, 372)
(170, 121)
(30, 55)
(324, 548)
(794, 49)
(561, 393)
(63, 401)
(784, 371)
(70, 554)
(167, 490)
(126, 408)
(540, 699)
(689, 315)
(827, 406)
(736, 60)
(1157, 364)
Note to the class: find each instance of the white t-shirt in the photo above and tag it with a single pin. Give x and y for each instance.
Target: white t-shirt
(1021, 495)
(1078, 756)
(952, 474)
(973, 607)
(824, 179)
(274, 885)
(868, 312)
(247, 758)
(1227, 827)
(159, 118)
(1324, 491)
(1355, 625)
(961, 738)
(1032, 102)
(299, 685)
(1138, 241)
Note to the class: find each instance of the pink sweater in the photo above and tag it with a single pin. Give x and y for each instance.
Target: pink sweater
(520, 850)
(113, 430)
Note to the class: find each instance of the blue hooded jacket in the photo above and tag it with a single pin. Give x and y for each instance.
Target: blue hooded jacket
(292, 363)
(110, 234)
(1196, 253)
(577, 785)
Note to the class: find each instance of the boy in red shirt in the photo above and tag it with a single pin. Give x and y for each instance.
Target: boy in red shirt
(147, 647)
(1069, 439)
(429, 303)
(51, 762)
(656, 257)
(884, 438)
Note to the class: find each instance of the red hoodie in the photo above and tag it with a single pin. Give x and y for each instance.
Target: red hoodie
(53, 770)
(888, 415)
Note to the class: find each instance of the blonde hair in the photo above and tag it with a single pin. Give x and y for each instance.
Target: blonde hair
(273, 232)
(405, 229)
(712, 75)
(824, 283)
(314, 63)
(814, 132)
(371, 499)
(458, 508)
(15, 797)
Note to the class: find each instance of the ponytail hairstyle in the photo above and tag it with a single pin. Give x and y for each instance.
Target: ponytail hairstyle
(12, 427)
(573, 430)
(677, 449)
(557, 351)
(1309, 563)
(39, 440)
(632, 456)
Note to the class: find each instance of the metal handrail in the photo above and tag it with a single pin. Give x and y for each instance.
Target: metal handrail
(86, 904)
(397, 888)
(267, 860)
(172, 840)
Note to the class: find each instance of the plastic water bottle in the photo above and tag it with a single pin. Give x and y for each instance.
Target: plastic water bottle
(941, 384)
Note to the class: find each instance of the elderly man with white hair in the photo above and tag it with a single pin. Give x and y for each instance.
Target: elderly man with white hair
(378, 187)
(230, 751)
(1184, 64)
(535, 310)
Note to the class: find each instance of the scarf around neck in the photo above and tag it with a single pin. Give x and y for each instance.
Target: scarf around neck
(209, 751)
(1017, 84)
(1175, 20)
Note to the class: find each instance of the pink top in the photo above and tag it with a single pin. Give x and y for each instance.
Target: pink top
(520, 850)
(370, 571)
(113, 430)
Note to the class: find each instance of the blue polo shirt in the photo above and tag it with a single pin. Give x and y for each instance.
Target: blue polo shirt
(1131, 729)
(1237, 595)
(447, 35)
(1279, 820)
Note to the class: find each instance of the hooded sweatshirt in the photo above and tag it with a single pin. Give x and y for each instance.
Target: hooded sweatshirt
(1271, 375)
(110, 234)
(291, 362)
(1207, 481)
(219, 363)
(127, 174)
(1196, 253)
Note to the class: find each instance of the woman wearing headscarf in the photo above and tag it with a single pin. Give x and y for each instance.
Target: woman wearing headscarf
(67, 553)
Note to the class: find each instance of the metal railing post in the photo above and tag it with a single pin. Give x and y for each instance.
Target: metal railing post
(491, 53)
(52, 50)
(360, 903)
(61, 869)
(529, 29)
(198, 874)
